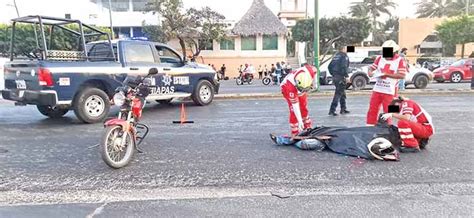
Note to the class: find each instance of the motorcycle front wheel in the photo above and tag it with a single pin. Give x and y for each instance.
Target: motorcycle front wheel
(113, 153)
(239, 81)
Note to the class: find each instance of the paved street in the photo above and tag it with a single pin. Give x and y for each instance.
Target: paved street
(229, 87)
(225, 164)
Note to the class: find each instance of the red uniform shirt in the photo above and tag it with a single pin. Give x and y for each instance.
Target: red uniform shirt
(388, 66)
(416, 112)
(288, 85)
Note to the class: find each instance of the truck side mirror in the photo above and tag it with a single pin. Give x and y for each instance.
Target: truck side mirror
(152, 71)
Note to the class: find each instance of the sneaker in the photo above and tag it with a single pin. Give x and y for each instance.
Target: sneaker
(404, 149)
(332, 114)
(273, 137)
(345, 112)
(423, 143)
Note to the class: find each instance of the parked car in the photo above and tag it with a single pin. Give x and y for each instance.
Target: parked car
(456, 72)
(359, 78)
(2, 62)
(325, 77)
(85, 80)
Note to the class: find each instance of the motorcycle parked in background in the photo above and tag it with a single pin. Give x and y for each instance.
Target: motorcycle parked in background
(124, 134)
(268, 79)
(248, 78)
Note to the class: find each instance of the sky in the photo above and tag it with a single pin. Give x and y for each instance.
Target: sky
(232, 9)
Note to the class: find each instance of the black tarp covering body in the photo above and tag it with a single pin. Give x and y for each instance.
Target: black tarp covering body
(353, 141)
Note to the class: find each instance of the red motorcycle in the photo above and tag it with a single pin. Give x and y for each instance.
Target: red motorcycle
(124, 134)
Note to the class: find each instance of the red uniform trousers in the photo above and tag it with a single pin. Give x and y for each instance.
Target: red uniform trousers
(411, 132)
(302, 101)
(376, 100)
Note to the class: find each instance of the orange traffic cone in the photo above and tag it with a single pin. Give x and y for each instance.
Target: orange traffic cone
(182, 117)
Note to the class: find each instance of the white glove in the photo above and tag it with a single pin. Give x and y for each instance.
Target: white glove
(297, 111)
(387, 116)
(300, 126)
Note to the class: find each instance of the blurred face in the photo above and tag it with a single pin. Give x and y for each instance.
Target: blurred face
(344, 49)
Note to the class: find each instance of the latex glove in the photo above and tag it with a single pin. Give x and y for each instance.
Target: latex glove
(387, 116)
(300, 126)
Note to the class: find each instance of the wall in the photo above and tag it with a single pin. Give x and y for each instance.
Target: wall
(234, 58)
(468, 49)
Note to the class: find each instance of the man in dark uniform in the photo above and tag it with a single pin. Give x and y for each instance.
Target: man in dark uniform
(339, 69)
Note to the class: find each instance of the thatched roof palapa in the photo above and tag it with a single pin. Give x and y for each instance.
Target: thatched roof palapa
(259, 19)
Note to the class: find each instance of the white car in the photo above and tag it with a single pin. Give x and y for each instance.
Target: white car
(418, 76)
(2, 62)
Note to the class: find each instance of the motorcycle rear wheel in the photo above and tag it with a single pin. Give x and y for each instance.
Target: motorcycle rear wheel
(266, 81)
(113, 154)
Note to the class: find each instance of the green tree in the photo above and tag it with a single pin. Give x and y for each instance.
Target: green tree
(338, 31)
(441, 8)
(372, 9)
(459, 30)
(189, 25)
(25, 41)
(388, 31)
(155, 33)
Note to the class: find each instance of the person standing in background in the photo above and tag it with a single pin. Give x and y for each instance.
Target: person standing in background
(260, 72)
(223, 68)
(265, 70)
(403, 54)
(278, 72)
(339, 69)
(273, 74)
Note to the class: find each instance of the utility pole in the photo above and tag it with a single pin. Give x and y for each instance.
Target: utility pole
(467, 7)
(306, 12)
(316, 41)
(110, 17)
(16, 8)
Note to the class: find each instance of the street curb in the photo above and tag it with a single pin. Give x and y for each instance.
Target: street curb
(429, 92)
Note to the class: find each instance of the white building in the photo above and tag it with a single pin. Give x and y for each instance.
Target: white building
(127, 16)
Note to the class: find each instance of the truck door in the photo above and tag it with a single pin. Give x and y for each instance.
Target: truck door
(138, 57)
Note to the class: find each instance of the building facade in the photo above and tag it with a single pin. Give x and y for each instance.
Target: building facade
(259, 38)
(128, 16)
(418, 35)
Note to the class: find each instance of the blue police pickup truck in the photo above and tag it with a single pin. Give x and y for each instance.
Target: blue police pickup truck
(84, 79)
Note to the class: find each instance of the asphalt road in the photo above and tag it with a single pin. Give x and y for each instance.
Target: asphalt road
(229, 87)
(225, 165)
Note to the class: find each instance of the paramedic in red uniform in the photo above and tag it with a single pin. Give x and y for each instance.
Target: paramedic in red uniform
(414, 124)
(387, 71)
(294, 89)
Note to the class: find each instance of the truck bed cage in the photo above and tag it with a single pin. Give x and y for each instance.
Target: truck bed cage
(60, 23)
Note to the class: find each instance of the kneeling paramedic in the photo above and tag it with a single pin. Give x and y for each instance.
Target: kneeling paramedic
(414, 124)
(294, 89)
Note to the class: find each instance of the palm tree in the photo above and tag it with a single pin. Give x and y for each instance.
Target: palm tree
(441, 8)
(372, 9)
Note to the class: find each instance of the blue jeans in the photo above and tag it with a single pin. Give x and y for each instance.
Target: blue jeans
(401, 84)
(306, 144)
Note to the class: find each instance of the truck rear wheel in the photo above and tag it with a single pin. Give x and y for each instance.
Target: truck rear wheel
(91, 105)
(203, 93)
(52, 112)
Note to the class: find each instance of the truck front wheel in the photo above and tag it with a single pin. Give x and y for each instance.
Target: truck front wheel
(203, 93)
(91, 105)
(52, 112)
